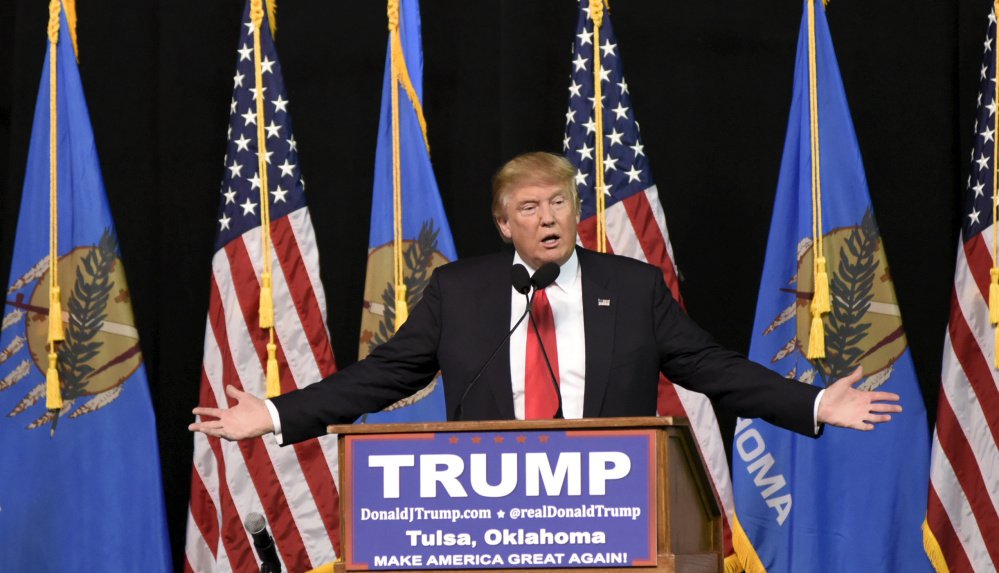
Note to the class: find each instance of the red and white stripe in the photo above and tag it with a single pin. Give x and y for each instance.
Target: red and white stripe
(636, 228)
(963, 508)
(293, 487)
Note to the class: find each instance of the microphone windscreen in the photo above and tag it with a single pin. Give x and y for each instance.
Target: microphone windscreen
(545, 276)
(254, 523)
(520, 278)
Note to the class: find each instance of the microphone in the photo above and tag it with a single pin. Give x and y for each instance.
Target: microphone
(543, 277)
(262, 540)
(521, 282)
(520, 279)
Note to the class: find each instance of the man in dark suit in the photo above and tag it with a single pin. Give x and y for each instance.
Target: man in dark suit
(613, 326)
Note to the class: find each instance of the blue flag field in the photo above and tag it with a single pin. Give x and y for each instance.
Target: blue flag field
(427, 241)
(849, 500)
(80, 491)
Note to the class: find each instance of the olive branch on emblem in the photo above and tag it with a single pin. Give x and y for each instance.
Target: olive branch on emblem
(418, 258)
(87, 310)
(852, 290)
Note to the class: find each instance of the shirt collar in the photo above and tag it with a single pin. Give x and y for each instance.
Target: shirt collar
(567, 272)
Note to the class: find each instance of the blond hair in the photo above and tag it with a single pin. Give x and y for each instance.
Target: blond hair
(535, 168)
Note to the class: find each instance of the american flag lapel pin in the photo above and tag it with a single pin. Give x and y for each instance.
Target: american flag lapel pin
(603, 302)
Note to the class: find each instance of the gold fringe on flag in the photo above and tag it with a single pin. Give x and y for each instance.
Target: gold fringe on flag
(933, 551)
(69, 7)
(53, 388)
(748, 557)
(272, 17)
(821, 301)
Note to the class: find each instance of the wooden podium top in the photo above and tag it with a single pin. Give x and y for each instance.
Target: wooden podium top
(503, 425)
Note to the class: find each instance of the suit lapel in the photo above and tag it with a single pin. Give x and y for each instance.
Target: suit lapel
(598, 322)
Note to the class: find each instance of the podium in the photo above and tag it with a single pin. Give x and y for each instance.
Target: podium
(602, 494)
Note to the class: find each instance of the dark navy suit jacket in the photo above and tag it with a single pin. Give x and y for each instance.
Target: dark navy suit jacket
(465, 312)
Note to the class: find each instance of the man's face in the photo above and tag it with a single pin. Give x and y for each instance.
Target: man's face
(540, 220)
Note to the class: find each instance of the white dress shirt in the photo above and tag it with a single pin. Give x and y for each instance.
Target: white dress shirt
(565, 296)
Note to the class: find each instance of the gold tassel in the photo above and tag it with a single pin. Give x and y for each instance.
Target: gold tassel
(273, 379)
(53, 390)
(56, 331)
(994, 296)
(821, 302)
(816, 339)
(401, 308)
(266, 301)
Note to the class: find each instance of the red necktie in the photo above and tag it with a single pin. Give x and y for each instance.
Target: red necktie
(540, 400)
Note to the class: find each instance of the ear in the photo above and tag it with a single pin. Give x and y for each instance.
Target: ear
(503, 224)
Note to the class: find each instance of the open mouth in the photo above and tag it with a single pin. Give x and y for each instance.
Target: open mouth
(550, 240)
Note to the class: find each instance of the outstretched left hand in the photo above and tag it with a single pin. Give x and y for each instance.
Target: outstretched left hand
(844, 406)
(249, 418)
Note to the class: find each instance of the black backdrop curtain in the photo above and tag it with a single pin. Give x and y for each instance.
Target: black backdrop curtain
(711, 86)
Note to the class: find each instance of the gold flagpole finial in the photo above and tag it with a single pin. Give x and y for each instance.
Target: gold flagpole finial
(54, 9)
(597, 12)
(393, 15)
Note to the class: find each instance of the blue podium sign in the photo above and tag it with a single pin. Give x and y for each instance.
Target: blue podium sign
(500, 500)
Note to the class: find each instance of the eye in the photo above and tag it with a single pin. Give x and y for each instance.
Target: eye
(528, 209)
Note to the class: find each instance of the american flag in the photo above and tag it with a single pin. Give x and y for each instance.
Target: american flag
(964, 491)
(636, 223)
(293, 487)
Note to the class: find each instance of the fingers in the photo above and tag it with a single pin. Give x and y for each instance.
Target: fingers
(886, 408)
(884, 397)
(850, 379)
(854, 376)
(212, 428)
(205, 411)
(232, 392)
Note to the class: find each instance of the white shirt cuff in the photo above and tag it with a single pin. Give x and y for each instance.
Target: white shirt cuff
(815, 411)
(276, 420)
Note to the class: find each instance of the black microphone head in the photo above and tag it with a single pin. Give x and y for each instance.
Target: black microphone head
(254, 523)
(520, 279)
(545, 276)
